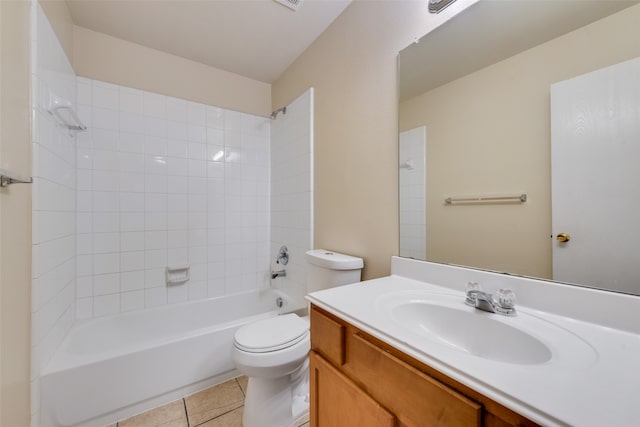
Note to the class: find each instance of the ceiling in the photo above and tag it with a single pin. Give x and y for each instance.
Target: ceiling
(490, 31)
(258, 39)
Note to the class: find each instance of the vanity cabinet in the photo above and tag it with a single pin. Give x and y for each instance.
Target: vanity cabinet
(358, 380)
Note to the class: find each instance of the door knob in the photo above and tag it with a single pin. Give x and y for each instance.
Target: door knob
(563, 237)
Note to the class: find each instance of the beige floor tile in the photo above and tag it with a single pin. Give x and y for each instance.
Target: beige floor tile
(112, 425)
(243, 381)
(213, 402)
(170, 415)
(230, 419)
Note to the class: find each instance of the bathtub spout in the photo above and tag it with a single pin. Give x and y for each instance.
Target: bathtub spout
(279, 273)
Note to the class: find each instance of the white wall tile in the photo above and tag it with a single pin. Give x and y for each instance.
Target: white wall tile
(106, 284)
(104, 118)
(132, 281)
(177, 293)
(155, 239)
(84, 308)
(132, 241)
(131, 101)
(106, 304)
(84, 287)
(105, 160)
(155, 105)
(154, 278)
(197, 290)
(176, 110)
(104, 180)
(215, 117)
(106, 263)
(131, 142)
(130, 182)
(165, 182)
(103, 139)
(177, 239)
(154, 126)
(106, 242)
(155, 164)
(104, 201)
(156, 221)
(131, 123)
(84, 244)
(155, 202)
(177, 256)
(178, 185)
(215, 136)
(196, 114)
(197, 133)
(131, 221)
(84, 158)
(131, 202)
(131, 261)
(156, 258)
(106, 222)
(155, 297)
(130, 301)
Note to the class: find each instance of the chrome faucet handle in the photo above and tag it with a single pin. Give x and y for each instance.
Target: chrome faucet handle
(505, 301)
(473, 288)
(506, 298)
(283, 256)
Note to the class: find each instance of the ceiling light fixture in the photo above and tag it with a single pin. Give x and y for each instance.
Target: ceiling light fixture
(437, 6)
(291, 4)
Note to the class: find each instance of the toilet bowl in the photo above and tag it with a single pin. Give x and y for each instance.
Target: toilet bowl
(273, 352)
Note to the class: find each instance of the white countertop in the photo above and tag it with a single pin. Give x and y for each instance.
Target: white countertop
(592, 378)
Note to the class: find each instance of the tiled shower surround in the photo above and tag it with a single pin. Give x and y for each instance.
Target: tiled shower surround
(167, 182)
(53, 201)
(156, 181)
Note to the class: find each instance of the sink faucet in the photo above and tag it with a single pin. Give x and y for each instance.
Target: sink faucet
(503, 303)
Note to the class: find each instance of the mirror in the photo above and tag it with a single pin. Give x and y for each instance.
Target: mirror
(475, 123)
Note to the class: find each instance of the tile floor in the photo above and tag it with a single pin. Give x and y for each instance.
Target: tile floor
(217, 406)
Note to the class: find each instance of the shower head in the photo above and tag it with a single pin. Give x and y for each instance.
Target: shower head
(282, 110)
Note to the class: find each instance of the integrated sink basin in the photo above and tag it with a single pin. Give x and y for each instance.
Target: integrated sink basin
(471, 332)
(445, 320)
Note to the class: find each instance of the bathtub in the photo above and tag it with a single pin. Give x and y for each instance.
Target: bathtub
(113, 367)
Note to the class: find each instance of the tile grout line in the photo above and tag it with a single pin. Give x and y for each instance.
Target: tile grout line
(218, 416)
(241, 390)
(186, 411)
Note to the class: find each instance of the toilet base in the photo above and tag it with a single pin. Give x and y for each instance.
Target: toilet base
(277, 402)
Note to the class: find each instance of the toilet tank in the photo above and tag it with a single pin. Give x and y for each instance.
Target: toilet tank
(328, 269)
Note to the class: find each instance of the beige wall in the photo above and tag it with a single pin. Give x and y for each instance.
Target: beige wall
(15, 214)
(59, 16)
(352, 67)
(489, 133)
(102, 57)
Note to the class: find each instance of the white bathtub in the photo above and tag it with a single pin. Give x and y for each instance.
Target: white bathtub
(110, 368)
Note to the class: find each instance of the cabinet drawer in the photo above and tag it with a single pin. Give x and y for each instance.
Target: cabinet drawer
(337, 402)
(416, 398)
(327, 336)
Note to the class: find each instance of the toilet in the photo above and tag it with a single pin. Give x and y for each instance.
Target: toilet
(274, 353)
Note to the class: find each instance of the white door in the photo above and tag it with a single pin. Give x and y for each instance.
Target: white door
(595, 166)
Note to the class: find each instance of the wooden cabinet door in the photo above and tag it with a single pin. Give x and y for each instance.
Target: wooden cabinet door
(337, 402)
(416, 398)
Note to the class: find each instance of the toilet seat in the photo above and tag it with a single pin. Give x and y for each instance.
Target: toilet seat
(272, 334)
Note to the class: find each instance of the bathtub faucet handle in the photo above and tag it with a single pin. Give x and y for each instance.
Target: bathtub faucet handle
(283, 256)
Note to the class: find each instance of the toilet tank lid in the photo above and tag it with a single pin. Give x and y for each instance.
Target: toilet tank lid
(333, 260)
